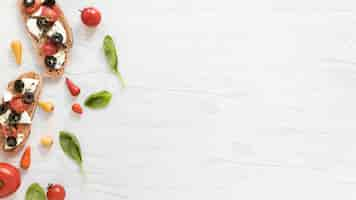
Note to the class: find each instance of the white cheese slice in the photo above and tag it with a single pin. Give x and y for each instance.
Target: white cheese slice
(25, 118)
(58, 28)
(33, 28)
(20, 138)
(30, 84)
(7, 96)
(32, 25)
(4, 117)
(61, 58)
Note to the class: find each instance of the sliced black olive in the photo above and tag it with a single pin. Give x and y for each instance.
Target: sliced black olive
(3, 108)
(49, 2)
(51, 61)
(14, 118)
(28, 3)
(19, 85)
(11, 141)
(28, 98)
(57, 38)
(43, 23)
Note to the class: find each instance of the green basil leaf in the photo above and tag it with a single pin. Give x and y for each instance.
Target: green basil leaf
(112, 57)
(71, 147)
(35, 192)
(98, 100)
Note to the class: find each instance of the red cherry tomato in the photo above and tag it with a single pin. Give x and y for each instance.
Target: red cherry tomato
(56, 192)
(49, 49)
(34, 8)
(18, 105)
(77, 108)
(91, 16)
(10, 179)
(49, 13)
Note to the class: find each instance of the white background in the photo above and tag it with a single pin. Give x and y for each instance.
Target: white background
(226, 100)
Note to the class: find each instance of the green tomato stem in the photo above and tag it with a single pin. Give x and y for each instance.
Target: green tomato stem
(1, 184)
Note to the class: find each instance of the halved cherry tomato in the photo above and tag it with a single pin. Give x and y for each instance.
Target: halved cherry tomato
(10, 179)
(49, 13)
(33, 8)
(17, 105)
(49, 49)
(56, 192)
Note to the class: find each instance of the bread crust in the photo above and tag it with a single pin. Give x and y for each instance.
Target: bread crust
(26, 128)
(50, 73)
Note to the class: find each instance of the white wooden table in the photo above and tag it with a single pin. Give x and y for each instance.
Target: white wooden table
(225, 100)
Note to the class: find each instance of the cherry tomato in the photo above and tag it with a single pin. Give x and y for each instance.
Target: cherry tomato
(33, 8)
(49, 49)
(77, 108)
(56, 192)
(91, 16)
(49, 13)
(10, 179)
(18, 105)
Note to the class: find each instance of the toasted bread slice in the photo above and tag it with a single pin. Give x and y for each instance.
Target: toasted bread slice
(37, 43)
(25, 128)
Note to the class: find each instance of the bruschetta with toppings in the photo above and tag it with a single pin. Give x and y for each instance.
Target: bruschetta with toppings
(50, 34)
(17, 107)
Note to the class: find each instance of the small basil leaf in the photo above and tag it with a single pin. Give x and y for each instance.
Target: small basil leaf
(35, 192)
(112, 57)
(98, 100)
(71, 147)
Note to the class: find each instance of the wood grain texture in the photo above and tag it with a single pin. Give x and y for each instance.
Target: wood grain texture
(225, 100)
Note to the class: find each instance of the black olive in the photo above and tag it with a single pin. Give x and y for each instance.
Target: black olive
(49, 2)
(28, 3)
(28, 98)
(11, 141)
(3, 108)
(43, 23)
(50, 61)
(19, 85)
(14, 118)
(57, 38)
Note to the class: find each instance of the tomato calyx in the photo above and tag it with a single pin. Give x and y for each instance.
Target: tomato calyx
(2, 184)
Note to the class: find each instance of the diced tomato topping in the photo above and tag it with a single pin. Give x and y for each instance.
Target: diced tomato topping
(34, 8)
(17, 105)
(49, 49)
(57, 10)
(8, 131)
(49, 13)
